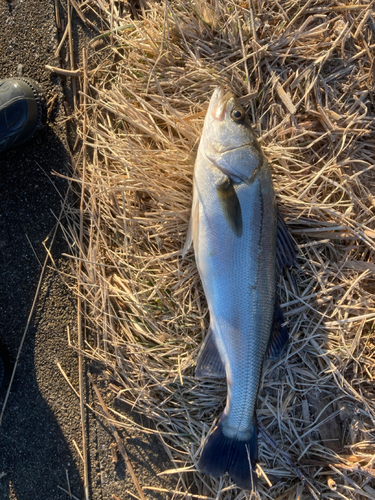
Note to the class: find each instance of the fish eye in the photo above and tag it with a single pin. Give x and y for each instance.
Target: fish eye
(238, 114)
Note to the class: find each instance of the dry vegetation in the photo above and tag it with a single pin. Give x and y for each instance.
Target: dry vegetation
(305, 74)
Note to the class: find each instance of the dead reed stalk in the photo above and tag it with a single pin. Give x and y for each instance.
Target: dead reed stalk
(305, 73)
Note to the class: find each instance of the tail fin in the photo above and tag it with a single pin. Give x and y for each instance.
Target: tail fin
(223, 454)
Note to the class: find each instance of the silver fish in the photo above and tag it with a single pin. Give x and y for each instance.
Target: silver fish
(239, 251)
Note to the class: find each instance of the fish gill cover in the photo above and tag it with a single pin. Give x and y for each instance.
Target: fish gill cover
(304, 72)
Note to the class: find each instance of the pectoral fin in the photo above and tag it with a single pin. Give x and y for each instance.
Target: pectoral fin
(209, 363)
(230, 205)
(286, 250)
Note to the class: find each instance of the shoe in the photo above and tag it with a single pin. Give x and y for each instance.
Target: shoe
(23, 111)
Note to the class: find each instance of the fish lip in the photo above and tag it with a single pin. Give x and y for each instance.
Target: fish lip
(219, 102)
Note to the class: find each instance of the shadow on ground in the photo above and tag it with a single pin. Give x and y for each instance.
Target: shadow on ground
(41, 418)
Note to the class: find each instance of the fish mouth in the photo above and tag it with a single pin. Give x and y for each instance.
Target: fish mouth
(219, 102)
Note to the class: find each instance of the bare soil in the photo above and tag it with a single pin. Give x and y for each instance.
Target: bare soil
(41, 420)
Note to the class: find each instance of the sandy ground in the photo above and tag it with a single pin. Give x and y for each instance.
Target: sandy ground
(41, 420)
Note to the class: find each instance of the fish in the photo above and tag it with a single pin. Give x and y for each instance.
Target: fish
(241, 244)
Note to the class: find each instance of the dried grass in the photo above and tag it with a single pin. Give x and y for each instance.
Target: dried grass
(305, 73)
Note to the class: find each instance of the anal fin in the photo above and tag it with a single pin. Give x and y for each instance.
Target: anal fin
(209, 363)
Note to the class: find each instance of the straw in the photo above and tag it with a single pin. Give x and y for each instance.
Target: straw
(308, 75)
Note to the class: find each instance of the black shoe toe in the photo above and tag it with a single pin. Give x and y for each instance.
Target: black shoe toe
(23, 111)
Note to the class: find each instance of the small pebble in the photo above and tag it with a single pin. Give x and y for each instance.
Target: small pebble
(19, 69)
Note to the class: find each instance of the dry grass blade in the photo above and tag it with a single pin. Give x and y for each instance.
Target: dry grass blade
(57, 15)
(63, 72)
(308, 77)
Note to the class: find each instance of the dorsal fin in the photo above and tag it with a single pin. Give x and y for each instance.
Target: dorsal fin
(279, 336)
(286, 249)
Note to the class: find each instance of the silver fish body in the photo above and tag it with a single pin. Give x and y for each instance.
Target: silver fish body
(234, 230)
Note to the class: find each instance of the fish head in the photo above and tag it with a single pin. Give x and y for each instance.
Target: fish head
(228, 141)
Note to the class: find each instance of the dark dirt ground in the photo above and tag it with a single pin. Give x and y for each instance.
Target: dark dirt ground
(42, 417)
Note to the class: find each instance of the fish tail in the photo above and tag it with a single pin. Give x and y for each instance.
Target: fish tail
(224, 454)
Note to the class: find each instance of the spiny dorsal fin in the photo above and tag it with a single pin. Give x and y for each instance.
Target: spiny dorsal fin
(285, 250)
